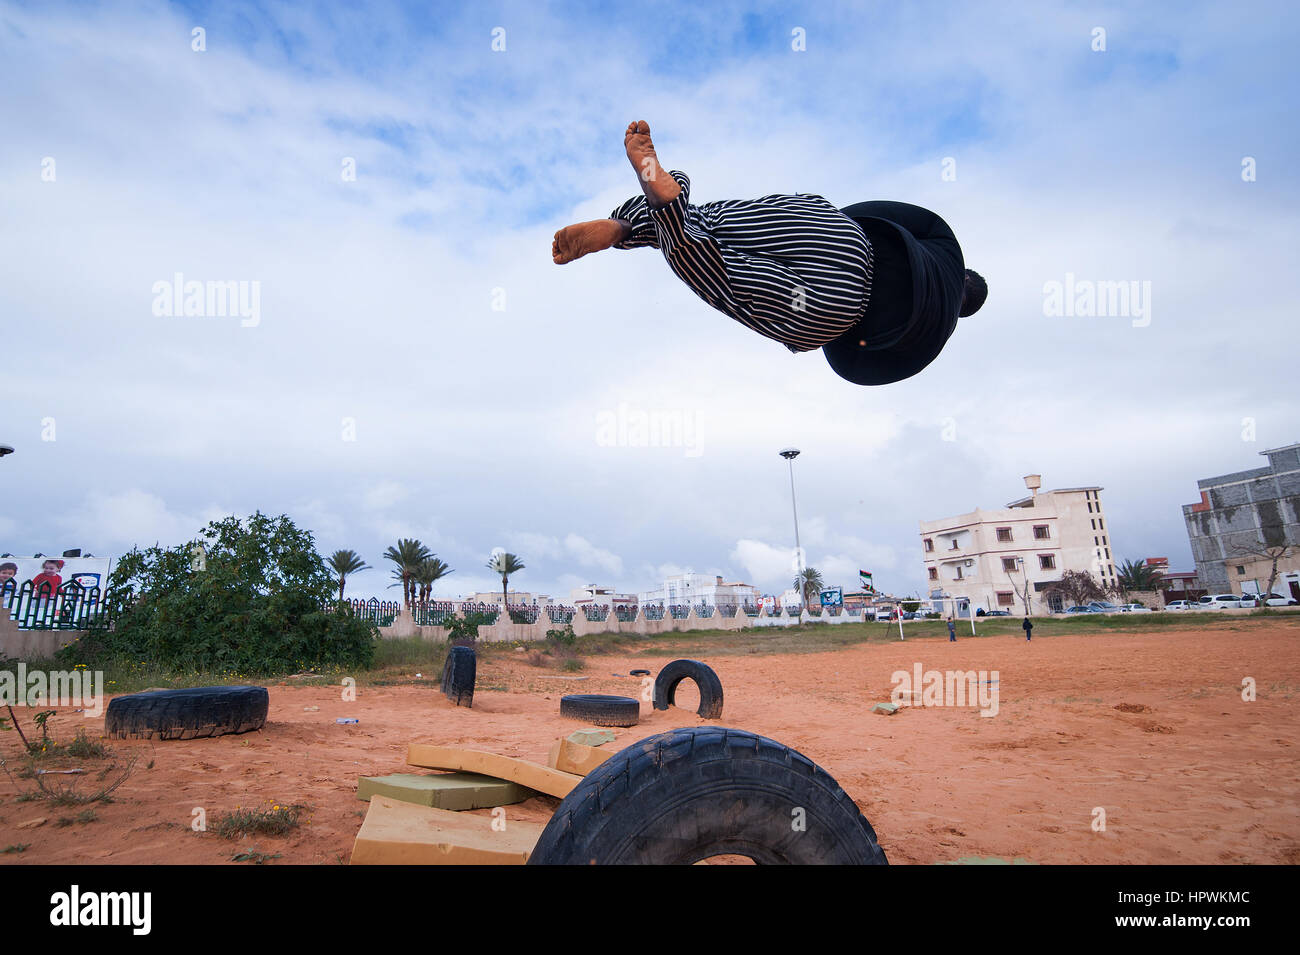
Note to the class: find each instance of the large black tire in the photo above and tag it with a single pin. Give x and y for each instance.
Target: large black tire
(601, 710)
(691, 794)
(704, 677)
(458, 675)
(187, 714)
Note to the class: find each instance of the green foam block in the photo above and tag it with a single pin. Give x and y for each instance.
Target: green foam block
(454, 791)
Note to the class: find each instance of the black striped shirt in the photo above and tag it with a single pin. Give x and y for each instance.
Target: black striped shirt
(791, 267)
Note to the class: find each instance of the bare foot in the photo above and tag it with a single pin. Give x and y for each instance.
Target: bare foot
(575, 241)
(659, 187)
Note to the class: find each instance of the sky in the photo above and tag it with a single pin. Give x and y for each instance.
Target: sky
(414, 365)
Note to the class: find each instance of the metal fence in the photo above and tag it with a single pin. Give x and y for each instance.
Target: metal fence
(67, 607)
(524, 613)
(433, 614)
(380, 612)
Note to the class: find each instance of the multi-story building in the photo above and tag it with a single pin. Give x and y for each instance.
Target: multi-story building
(994, 559)
(517, 598)
(1240, 518)
(592, 595)
(682, 589)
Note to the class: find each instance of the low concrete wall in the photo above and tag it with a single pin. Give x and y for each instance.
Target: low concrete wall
(505, 631)
(18, 644)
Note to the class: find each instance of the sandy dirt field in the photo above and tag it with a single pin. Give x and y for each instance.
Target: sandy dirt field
(1186, 771)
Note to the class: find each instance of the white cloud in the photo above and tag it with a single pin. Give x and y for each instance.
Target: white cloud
(588, 554)
(134, 517)
(384, 495)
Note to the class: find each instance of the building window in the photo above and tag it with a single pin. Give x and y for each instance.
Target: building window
(929, 545)
(1004, 535)
(1090, 507)
(934, 573)
(955, 545)
(1042, 532)
(1047, 562)
(1094, 523)
(1009, 564)
(958, 577)
(1241, 569)
(1100, 523)
(1006, 598)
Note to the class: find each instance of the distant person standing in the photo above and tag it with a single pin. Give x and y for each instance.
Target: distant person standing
(952, 631)
(1028, 627)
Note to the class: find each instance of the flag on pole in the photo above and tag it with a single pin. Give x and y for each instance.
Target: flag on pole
(867, 586)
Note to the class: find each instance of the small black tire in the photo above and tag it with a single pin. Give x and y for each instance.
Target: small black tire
(192, 713)
(601, 710)
(710, 686)
(458, 675)
(691, 794)
(638, 672)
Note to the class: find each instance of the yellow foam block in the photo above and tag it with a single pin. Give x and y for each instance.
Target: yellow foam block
(402, 833)
(570, 757)
(544, 779)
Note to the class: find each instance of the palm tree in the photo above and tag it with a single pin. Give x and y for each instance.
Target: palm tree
(407, 555)
(428, 573)
(1138, 575)
(346, 562)
(505, 564)
(807, 583)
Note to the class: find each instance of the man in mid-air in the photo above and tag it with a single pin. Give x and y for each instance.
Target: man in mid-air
(878, 286)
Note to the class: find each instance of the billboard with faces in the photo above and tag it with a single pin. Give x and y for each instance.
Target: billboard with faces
(87, 572)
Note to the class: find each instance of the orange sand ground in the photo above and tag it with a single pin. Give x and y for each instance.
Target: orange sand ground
(1201, 777)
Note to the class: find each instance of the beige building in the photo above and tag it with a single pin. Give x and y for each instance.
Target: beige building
(993, 559)
(592, 595)
(517, 598)
(689, 588)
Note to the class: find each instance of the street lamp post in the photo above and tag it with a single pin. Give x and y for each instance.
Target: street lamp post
(790, 454)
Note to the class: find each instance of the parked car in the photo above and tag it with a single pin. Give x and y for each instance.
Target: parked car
(1277, 600)
(1104, 606)
(1077, 610)
(1182, 605)
(997, 613)
(1134, 608)
(1222, 602)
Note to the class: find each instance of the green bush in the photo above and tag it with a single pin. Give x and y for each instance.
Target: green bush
(261, 600)
(564, 637)
(466, 627)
